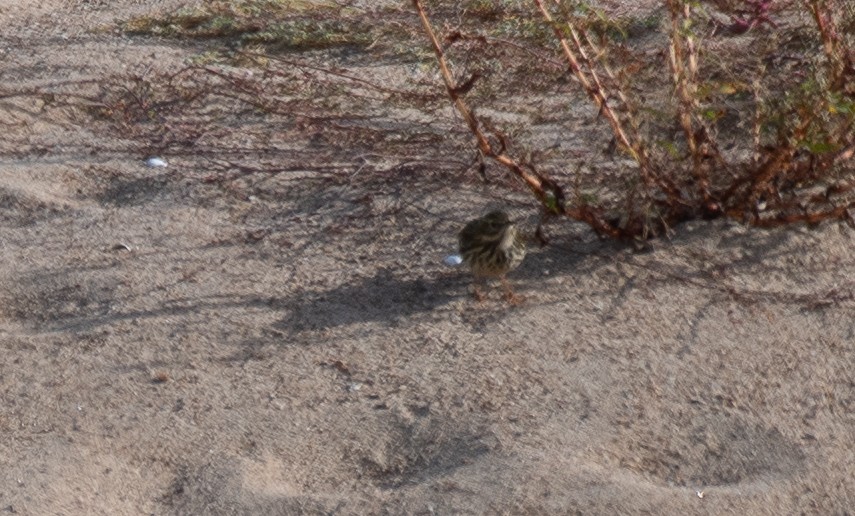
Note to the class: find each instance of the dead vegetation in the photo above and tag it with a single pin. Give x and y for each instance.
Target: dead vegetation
(742, 110)
(798, 167)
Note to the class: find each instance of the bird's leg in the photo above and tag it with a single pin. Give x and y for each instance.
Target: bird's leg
(510, 296)
(479, 296)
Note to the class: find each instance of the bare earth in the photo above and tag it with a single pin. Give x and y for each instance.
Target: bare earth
(170, 348)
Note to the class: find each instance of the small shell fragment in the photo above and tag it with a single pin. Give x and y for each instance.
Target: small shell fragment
(700, 494)
(155, 162)
(453, 260)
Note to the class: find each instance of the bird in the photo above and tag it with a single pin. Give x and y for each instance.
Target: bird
(492, 246)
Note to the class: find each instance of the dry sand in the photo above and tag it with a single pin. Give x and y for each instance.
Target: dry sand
(170, 349)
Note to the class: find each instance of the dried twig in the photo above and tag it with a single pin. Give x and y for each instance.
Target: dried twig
(683, 59)
(544, 189)
(586, 73)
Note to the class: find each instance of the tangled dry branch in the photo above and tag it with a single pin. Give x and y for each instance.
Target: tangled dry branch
(812, 149)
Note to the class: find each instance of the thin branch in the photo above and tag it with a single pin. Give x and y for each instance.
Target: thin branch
(683, 59)
(580, 65)
(548, 192)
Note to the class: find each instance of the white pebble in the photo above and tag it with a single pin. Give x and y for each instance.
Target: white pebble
(155, 162)
(453, 260)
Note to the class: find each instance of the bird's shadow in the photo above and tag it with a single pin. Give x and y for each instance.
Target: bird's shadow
(389, 298)
(383, 297)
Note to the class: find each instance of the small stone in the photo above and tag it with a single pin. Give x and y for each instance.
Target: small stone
(453, 260)
(155, 162)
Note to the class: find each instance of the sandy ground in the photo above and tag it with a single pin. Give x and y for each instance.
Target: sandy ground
(171, 349)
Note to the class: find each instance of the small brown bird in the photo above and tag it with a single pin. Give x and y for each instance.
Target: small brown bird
(492, 247)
